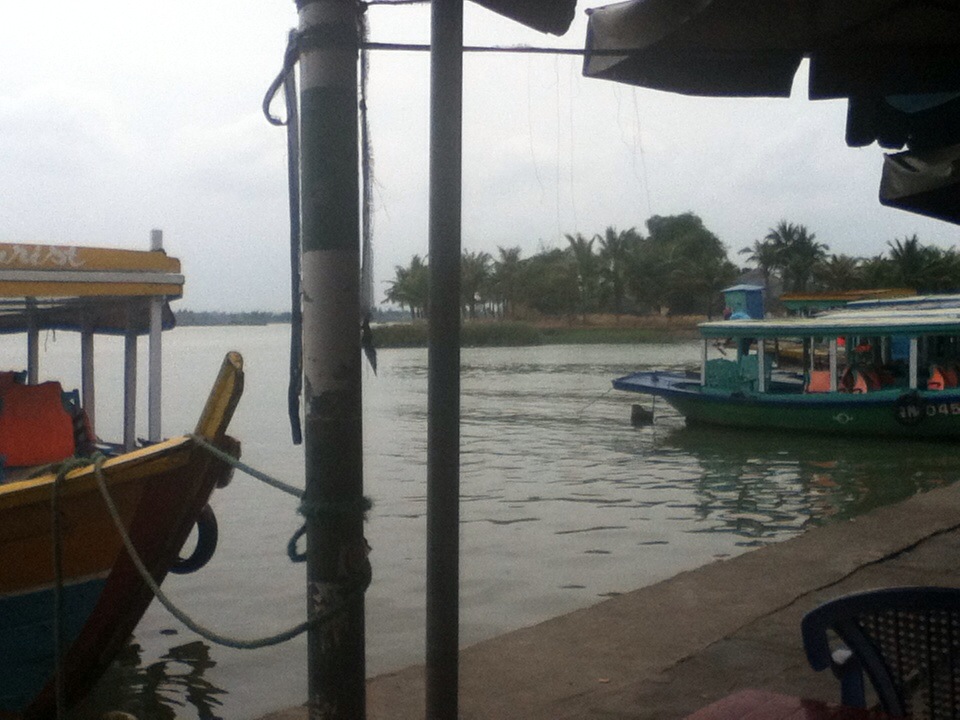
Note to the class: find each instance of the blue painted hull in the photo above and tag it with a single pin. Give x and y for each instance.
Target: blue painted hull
(27, 644)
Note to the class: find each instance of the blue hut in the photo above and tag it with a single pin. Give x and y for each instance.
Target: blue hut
(743, 301)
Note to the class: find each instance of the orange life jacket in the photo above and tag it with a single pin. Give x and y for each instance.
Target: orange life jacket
(936, 381)
(35, 428)
(819, 381)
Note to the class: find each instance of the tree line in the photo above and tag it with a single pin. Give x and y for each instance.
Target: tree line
(678, 266)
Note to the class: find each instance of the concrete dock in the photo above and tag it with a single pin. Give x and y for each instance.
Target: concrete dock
(663, 651)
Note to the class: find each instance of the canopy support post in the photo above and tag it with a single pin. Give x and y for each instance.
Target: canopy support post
(332, 390)
(914, 362)
(833, 364)
(33, 345)
(87, 377)
(703, 362)
(443, 398)
(761, 365)
(130, 387)
(155, 367)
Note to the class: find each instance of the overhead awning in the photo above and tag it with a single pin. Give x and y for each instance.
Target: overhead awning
(754, 47)
(896, 61)
(873, 52)
(927, 183)
(550, 16)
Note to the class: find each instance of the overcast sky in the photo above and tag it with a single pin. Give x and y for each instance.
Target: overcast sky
(119, 116)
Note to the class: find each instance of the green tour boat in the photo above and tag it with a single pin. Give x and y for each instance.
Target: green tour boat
(876, 368)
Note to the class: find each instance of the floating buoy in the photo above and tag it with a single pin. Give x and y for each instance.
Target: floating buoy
(639, 415)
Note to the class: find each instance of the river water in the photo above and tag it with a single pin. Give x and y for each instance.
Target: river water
(564, 503)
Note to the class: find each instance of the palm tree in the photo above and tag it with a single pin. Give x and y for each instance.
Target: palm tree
(924, 268)
(587, 267)
(506, 278)
(410, 287)
(840, 272)
(474, 280)
(798, 253)
(615, 262)
(764, 255)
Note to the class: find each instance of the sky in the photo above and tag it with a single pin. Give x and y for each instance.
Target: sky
(120, 116)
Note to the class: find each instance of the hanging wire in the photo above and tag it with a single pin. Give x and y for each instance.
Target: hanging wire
(287, 79)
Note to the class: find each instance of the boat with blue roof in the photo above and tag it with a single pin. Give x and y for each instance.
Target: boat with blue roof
(885, 368)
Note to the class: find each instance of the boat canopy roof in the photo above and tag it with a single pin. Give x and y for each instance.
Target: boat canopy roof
(70, 288)
(867, 322)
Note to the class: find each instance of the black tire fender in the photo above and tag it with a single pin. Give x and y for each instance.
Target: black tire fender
(207, 535)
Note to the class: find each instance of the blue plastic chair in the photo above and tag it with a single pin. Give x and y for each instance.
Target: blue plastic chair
(906, 641)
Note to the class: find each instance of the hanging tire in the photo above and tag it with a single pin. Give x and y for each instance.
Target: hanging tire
(207, 535)
(909, 409)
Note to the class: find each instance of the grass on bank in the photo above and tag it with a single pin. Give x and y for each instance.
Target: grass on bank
(595, 330)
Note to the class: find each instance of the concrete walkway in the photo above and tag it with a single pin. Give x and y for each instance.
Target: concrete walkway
(665, 650)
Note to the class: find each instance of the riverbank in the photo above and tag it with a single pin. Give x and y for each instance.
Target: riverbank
(663, 651)
(591, 329)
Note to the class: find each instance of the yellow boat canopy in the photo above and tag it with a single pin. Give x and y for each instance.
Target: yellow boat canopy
(73, 288)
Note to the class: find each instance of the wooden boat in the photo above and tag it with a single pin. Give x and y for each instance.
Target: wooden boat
(70, 595)
(886, 368)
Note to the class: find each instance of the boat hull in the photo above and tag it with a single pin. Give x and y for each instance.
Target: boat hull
(887, 413)
(159, 493)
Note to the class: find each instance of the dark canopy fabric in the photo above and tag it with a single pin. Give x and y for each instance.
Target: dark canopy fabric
(923, 182)
(550, 16)
(877, 53)
(753, 47)
(896, 61)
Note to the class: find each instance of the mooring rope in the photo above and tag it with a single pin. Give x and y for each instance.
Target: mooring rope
(201, 630)
(349, 589)
(58, 623)
(240, 465)
(308, 508)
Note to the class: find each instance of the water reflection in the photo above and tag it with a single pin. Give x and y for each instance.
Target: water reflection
(764, 485)
(158, 690)
(564, 503)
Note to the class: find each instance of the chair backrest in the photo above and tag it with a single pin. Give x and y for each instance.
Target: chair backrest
(906, 640)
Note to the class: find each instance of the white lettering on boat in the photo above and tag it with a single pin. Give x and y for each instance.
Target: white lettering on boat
(943, 409)
(42, 256)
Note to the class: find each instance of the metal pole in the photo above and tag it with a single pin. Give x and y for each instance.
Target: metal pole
(87, 376)
(130, 387)
(443, 403)
(333, 432)
(155, 362)
(33, 345)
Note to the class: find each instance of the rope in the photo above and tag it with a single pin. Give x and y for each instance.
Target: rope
(351, 589)
(58, 637)
(287, 79)
(239, 465)
(322, 509)
(202, 631)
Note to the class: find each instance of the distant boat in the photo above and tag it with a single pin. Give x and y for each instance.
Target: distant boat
(884, 368)
(70, 595)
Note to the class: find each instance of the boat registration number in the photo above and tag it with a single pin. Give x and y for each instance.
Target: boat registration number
(943, 408)
(915, 412)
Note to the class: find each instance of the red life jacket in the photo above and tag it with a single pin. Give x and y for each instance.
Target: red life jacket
(35, 428)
